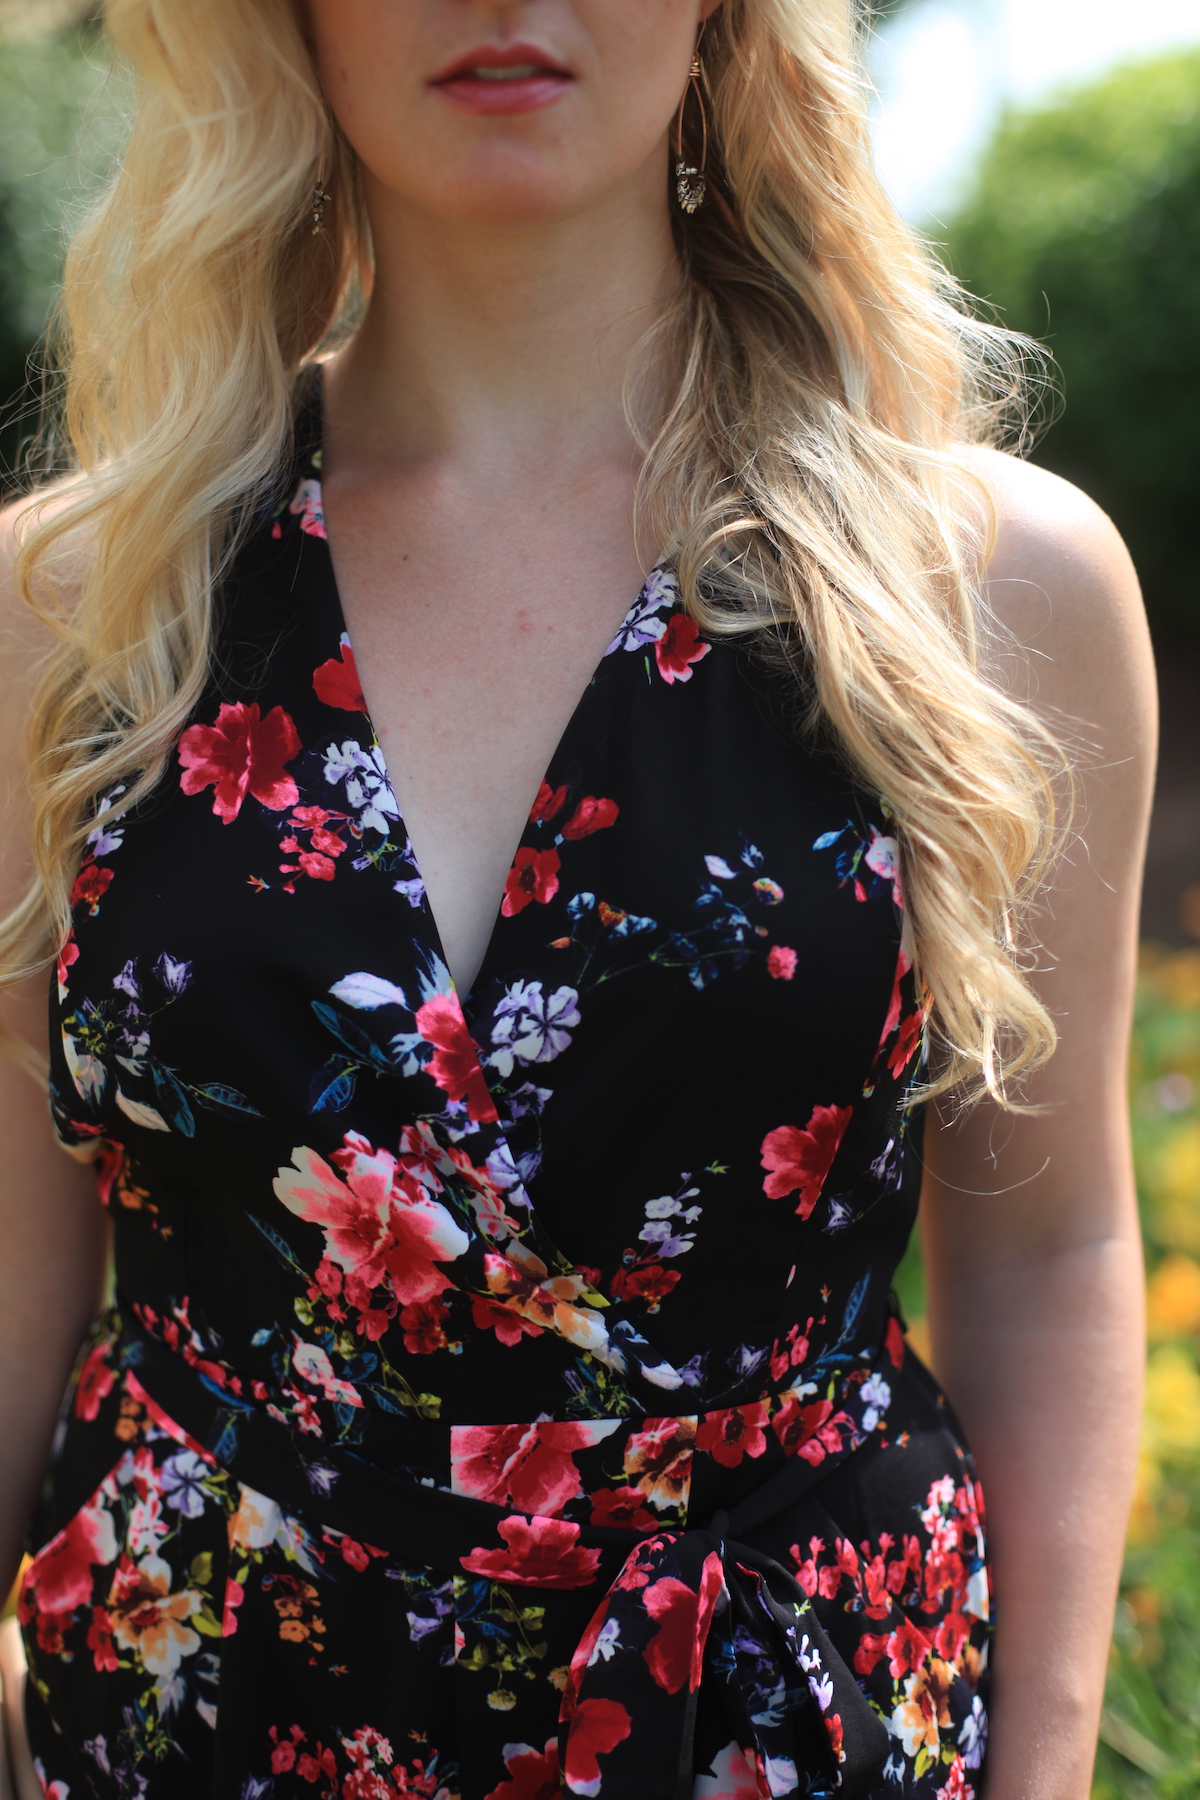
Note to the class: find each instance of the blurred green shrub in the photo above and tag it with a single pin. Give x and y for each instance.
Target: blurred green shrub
(1084, 229)
(61, 120)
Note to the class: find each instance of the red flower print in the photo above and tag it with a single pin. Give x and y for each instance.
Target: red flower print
(96, 1379)
(61, 1573)
(235, 1593)
(649, 1281)
(533, 876)
(903, 965)
(679, 647)
(894, 1341)
(541, 1553)
(283, 1756)
(833, 1725)
(336, 682)
(957, 1787)
(675, 1654)
(781, 962)
(549, 801)
(733, 1432)
(871, 1649)
(100, 1641)
(508, 1326)
(950, 1636)
(68, 955)
(424, 1326)
(623, 1507)
(528, 1466)
(798, 1161)
(311, 1768)
(906, 1044)
(455, 1064)
(813, 1432)
(597, 1726)
(590, 815)
(91, 884)
(907, 1649)
(532, 1774)
(241, 754)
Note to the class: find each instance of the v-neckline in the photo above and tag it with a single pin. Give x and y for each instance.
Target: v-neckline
(464, 996)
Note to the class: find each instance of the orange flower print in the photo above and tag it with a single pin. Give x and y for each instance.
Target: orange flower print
(148, 1619)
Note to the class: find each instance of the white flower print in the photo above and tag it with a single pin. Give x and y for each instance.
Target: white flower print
(642, 624)
(364, 776)
(878, 1396)
(182, 1475)
(530, 1026)
(972, 1739)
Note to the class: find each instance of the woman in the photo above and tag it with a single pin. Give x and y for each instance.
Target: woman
(502, 1392)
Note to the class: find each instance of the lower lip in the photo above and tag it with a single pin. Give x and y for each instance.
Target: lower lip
(527, 94)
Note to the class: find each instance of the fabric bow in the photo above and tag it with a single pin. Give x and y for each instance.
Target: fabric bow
(700, 1605)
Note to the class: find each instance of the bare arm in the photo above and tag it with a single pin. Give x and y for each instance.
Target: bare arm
(52, 1236)
(1030, 1224)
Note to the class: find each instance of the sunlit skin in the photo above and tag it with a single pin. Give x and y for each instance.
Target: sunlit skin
(479, 478)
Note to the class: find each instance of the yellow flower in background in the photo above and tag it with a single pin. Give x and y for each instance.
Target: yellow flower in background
(1173, 1298)
(1169, 1173)
(1171, 1428)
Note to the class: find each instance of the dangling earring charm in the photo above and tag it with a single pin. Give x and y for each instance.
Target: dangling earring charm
(691, 184)
(320, 196)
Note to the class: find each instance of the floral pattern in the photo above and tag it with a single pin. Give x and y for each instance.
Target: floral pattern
(488, 1401)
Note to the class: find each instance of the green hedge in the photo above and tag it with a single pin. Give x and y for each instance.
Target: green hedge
(1084, 230)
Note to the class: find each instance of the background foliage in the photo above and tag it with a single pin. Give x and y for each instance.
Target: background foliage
(1084, 230)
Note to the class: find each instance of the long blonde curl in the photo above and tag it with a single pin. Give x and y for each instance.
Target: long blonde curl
(806, 474)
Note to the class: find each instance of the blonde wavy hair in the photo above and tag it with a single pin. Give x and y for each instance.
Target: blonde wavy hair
(805, 469)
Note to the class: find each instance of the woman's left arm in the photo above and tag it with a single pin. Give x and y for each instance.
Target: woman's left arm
(1030, 1223)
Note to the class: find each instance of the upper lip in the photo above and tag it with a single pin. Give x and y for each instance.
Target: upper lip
(501, 56)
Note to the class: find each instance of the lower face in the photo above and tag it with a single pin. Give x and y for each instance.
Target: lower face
(515, 114)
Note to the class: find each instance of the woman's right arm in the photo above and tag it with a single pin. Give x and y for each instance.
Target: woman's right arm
(53, 1236)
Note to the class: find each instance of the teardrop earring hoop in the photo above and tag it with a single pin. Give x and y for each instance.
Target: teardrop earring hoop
(691, 184)
(319, 199)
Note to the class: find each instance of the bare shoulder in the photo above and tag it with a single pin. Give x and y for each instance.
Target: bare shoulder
(1070, 626)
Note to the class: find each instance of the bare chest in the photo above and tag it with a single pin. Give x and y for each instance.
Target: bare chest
(474, 639)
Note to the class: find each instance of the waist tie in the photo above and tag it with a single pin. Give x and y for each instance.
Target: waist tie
(682, 1607)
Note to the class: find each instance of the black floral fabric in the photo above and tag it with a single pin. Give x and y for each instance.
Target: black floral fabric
(502, 1396)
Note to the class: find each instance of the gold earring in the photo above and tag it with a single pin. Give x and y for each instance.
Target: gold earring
(691, 184)
(320, 196)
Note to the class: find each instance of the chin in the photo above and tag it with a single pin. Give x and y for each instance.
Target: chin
(514, 203)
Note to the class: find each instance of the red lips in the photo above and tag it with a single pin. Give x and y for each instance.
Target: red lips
(508, 78)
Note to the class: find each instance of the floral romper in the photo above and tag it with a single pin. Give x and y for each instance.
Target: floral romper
(503, 1396)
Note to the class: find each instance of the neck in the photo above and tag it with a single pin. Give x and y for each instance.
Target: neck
(504, 346)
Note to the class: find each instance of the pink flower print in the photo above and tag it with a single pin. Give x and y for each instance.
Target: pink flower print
(307, 502)
(597, 1726)
(799, 1160)
(379, 1225)
(455, 1064)
(531, 1467)
(675, 1654)
(733, 1432)
(882, 857)
(241, 753)
(541, 1553)
(532, 1774)
(781, 962)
